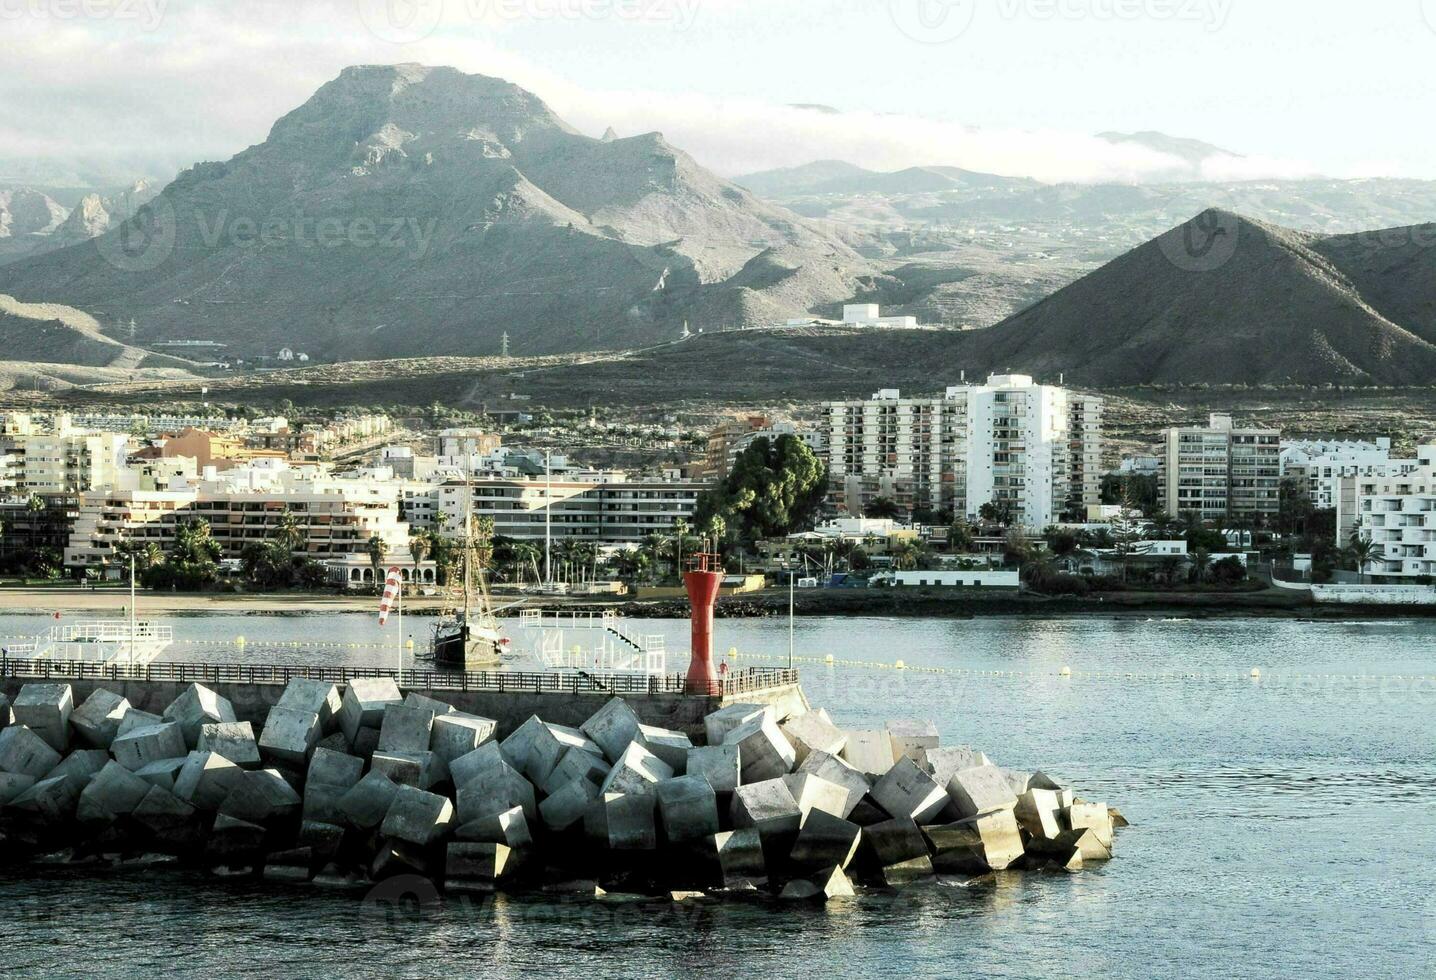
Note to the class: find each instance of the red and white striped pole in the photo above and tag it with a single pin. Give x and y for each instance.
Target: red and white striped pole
(393, 598)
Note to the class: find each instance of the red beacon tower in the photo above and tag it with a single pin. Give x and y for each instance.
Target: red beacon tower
(702, 580)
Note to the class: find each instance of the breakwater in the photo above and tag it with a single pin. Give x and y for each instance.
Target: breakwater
(355, 783)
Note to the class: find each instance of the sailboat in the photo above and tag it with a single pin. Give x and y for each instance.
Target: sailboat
(468, 637)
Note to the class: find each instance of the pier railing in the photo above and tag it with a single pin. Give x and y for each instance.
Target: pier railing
(538, 682)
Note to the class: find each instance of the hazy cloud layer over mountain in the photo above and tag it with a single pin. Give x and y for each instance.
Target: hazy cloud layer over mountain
(141, 79)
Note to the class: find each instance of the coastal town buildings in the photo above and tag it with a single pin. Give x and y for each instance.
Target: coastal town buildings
(1396, 512)
(1222, 471)
(1319, 464)
(730, 438)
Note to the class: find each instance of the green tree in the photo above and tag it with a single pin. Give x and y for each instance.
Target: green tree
(1361, 553)
(882, 508)
(775, 488)
(1201, 565)
(960, 537)
(193, 562)
(374, 548)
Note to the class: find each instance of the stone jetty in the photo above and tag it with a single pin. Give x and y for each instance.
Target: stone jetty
(350, 786)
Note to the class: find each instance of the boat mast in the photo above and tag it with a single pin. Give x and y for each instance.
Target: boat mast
(468, 538)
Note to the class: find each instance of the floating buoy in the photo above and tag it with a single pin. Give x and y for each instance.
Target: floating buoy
(1065, 671)
(900, 665)
(1256, 673)
(733, 652)
(239, 640)
(409, 644)
(828, 660)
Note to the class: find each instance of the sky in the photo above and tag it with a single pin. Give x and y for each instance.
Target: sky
(1021, 87)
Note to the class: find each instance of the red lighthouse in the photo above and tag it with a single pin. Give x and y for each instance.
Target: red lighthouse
(702, 581)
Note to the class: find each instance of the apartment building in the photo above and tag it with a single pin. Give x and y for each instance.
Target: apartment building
(607, 511)
(1397, 513)
(1222, 472)
(1035, 450)
(1319, 464)
(727, 440)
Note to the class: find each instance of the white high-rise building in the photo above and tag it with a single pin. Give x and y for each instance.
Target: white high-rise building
(1032, 450)
(1321, 463)
(1222, 471)
(1397, 513)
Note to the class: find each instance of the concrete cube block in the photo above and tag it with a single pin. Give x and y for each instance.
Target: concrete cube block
(636, 771)
(406, 729)
(719, 764)
(1039, 813)
(456, 735)
(816, 793)
(718, 724)
(623, 821)
(480, 861)
(495, 789)
(135, 718)
(322, 839)
(196, 707)
(363, 704)
(835, 769)
(688, 808)
(670, 746)
(767, 806)
(812, 733)
(979, 790)
(46, 709)
(259, 796)
(163, 772)
(906, 872)
(322, 803)
(469, 765)
(314, 697)
(906, 791)
(367, 802)
(329, 768)
(289, 736)
(206, 780)
(566, 805)
(894, 841)
(1017, 779)
(829, 883)
(1091, 816)
(81, 765)
(234, 839)
(990, 842)
(51, 800)
(12, 784)
(232, 739)
(418, 817)
(825, 841)
(509, 827)
(944, 763)
(366, 742)
(535, 747)
(763, 752)
(113, 793)
(870, 752)
(612, 727)
(396, 858)
(415, 700)
(163, 813)
(1083, 843)
(575, 763)
(136, 749)
(6, 715)
(295, 864)
(740, 854)
(912, 739)
(97, 721)
(406, 768)
(335, 742)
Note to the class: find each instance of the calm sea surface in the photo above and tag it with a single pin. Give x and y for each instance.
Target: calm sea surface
(1282, 827)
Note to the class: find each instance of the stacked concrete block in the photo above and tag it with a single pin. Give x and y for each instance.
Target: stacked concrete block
(670, 746)
(870, 752)
(1039, 812)
(979, 790)
(232, 739)
(566, 806)
(163, 772)
(767, 806)
(496, 788)
(623, 821)
(7, 716)
(912, 739)
(906, 791)
(164, 814)
(536, 746)
(739, 855)
(331, 774)
(206, 780)
(1095, 817)
(835, 769)
(138, 748)
(466, 767)
(816, 793)
(135, 718)
(363, 706)
(113, 793)
(289, 736)
(612, 727)
(51, 801)
(718, 764)
(406, 729)
(508, 827)
(718, 724)
(416, 769)
(82, 765)
(261, 796)
(763, 752)
(314, 697)
(811, 733)
(574, 764)
(46, 709)
(688, 807)
(456, 734)
(235, 841)
(825, 841)
(828, 884)
(1082, 844)
(945, 762)
(990, 842)
(906, 872)
(295, 864)
(636, 771)
(97, 721)
(466, 863)
(12, 784)
(417, 817)
(366, 803)
(196, 707)
(894, 841)
(416, 700)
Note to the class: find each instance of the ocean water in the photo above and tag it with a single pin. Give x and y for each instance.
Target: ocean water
(1282, 826)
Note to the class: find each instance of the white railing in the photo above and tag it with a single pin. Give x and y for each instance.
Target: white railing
(103, 641)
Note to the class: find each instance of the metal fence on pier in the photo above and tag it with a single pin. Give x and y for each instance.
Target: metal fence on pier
(539, 682)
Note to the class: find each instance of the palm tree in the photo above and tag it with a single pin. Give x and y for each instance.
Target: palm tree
(418, 547)
(1201, 565)
(375, 550)
(906, 556)
(1362, 552)
(289, 532)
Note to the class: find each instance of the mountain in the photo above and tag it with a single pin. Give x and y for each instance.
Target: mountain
(409, 210)
(1191, 152)
(1224, 299)
(834, 177)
